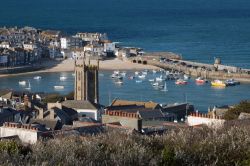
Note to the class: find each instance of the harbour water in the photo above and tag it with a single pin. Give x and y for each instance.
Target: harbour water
(202, 96)
(197, 29)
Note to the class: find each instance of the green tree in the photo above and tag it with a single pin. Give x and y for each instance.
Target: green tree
(233, 113)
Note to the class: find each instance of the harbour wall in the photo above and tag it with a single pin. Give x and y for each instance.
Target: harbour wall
(207, 71)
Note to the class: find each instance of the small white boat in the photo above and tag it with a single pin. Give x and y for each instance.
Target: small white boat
(144, 72)
(137, 72)
(142, 76)
(37, 77)
(123, 74)
(157, 85)
(116, 72)
(159, 79)
(59, 87)
(73, 74)
(186, 77)
(116, 76)
(154, 71)
(119, 82)
(131, 77)
(151, 80)
(138, 81)
(62, 78)
(22, 83)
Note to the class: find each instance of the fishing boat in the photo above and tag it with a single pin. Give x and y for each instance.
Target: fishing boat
(37, 78)
(231, 82)
(58, 87)
(180, 82)
(199, 80)
(22, 83)
(141, 76)
(62, 78)
(218, 83)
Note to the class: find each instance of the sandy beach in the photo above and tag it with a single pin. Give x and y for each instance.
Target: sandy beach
(68, 65)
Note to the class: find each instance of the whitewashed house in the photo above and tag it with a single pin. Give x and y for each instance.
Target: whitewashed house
(84, 108)
(5, 45)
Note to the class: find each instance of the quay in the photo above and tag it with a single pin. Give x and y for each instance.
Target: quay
(195, 69)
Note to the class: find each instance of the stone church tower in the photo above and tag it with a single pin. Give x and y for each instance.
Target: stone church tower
(86, 80)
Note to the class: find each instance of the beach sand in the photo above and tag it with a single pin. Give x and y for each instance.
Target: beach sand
(68, 65)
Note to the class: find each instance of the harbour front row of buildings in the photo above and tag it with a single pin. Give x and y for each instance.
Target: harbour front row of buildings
(26, 46)
(27, 117)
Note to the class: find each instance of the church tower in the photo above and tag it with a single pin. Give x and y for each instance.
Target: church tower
(86, 80)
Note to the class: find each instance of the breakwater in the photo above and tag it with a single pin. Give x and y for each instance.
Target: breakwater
(194, 69)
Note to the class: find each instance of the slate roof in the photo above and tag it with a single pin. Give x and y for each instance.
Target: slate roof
(6, 94)
(124, 107)
(150, 114)
(80, 104)
(52, 124)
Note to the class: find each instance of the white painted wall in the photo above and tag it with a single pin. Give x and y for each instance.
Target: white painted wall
(109, 47)
(64, 43)
(194, 121)
(89, 113)
(25, 135)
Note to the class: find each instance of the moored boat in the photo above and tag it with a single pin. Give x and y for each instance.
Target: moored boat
(37, 77)
(142, 76)
(231, 82)
(186, 77)
(159, 79)
(58, 87)
(62, 78)
(22, 82)
(180, 82)
(131, 77)
(199, 80)
(218, 83)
